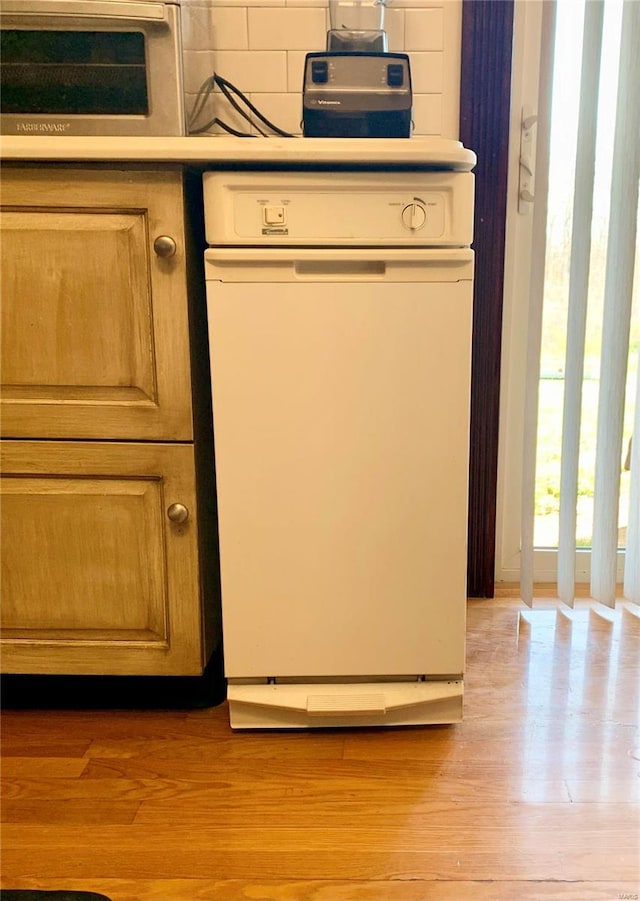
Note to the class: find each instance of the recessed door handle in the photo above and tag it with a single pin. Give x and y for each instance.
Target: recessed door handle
(527, 174)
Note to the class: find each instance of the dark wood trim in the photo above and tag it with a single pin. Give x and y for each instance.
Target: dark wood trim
(485, 94)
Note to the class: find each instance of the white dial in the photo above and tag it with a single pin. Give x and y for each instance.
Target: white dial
(414, 216)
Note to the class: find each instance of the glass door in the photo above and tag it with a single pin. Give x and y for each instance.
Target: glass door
(572, 51)
(73, 72)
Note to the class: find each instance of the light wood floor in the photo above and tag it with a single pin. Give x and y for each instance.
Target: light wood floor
(533, 797)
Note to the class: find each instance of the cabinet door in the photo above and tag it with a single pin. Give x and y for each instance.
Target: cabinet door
(95, 339)
(96, 577)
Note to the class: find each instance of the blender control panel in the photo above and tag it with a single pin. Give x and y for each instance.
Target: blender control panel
(376, 72)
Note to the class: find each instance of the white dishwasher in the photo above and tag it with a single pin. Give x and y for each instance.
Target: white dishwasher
(339, 310)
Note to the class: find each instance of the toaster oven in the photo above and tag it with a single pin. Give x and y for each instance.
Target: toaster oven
(91, 67)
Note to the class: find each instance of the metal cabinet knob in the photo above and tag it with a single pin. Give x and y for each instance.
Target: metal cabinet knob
(178, 513)
(164, 246)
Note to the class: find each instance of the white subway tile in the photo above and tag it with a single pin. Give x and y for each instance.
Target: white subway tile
(424, 29)
(451, 70)
(427, 114)
(295, 69)
(286, 29)
(198, 65)
(284, 110)
(229, 28)
(217, 106)
(421, 4)
(394, 26)
(260, 46)
(253, 70)
(196, 27)
(224, 28)
(426, 72)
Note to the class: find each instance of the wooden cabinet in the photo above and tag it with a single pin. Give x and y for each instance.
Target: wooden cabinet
(108, 555)
(93, 568)
(95, 339)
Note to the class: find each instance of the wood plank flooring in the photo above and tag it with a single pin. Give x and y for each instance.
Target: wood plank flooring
(534, 796)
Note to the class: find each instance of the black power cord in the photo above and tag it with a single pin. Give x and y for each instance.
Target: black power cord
(230, 93)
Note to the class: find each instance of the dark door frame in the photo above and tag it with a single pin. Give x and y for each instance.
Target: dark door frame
(485, 95)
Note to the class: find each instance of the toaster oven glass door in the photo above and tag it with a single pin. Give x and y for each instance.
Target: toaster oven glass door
(74, 72)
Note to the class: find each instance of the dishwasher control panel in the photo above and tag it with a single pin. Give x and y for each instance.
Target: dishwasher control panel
(431, 209)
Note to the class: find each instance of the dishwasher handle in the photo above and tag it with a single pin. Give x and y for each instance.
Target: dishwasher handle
(339, 263)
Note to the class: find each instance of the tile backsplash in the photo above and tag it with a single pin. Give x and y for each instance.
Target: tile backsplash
(260, 46)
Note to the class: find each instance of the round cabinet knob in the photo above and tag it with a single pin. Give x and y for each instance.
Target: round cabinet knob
(414, 216)
(178, 513)
(164, 246)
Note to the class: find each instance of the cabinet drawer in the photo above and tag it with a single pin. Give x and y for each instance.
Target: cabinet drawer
(97, 579)
(95, 337)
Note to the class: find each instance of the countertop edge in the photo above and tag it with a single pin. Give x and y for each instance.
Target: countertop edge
(438, 153)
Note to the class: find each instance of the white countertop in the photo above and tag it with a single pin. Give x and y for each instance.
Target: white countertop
(440, 153)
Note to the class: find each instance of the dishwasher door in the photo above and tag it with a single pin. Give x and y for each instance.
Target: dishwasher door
(341, 419)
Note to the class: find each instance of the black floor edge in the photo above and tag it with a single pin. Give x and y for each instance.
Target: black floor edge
(114, 692)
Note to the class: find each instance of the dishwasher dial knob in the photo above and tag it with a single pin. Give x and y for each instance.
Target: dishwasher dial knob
(414, 216)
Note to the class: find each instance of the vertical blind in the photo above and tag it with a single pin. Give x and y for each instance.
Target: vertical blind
(616, 321)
